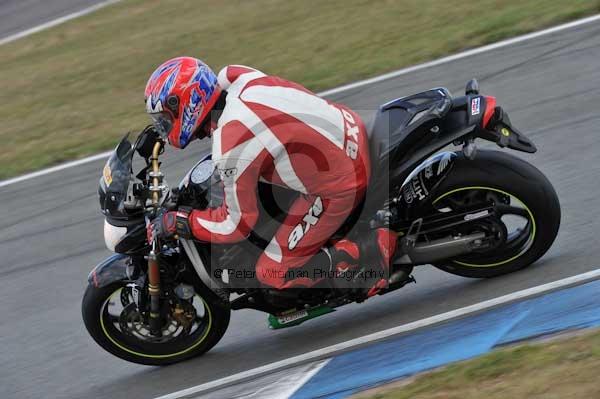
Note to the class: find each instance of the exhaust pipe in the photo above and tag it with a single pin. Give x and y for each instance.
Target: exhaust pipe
(443, 248)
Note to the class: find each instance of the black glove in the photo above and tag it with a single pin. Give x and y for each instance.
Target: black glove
(168, 224)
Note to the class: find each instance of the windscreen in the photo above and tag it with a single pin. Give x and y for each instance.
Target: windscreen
(115, 180)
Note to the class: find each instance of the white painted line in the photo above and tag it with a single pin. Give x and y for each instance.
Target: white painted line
(56, 168)
(286, 386)
(353, 343)
(55, 22)
(355, 85)
(296, 385)
(460, 55)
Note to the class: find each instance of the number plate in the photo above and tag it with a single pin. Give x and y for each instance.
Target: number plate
(288, 318)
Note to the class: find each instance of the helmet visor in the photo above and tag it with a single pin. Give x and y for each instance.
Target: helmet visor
(162, 123)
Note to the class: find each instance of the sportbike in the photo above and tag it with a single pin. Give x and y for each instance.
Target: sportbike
(471, 212)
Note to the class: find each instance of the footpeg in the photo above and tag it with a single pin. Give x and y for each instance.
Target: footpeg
(401, 276)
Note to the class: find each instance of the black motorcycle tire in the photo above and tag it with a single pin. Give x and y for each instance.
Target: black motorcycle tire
(143, 353)
(507, 173)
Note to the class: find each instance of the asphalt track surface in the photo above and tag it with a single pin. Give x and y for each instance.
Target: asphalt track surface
(19, 15)
(51, 236)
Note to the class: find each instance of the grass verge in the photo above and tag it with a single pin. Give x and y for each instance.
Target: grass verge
(71, 91)
(558, 369)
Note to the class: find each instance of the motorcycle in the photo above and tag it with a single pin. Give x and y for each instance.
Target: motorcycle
(470, 212)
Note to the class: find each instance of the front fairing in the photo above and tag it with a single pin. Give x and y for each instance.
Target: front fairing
(124, 224)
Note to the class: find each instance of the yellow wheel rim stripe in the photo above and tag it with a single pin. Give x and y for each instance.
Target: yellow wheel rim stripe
(202, 338)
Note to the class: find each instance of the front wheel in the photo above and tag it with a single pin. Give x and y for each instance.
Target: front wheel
(113, 320)
(528, 212)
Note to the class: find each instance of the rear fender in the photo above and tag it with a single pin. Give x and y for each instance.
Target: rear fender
(118, 267)
(499, 130)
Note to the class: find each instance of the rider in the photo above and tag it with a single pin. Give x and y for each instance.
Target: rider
(276, 131)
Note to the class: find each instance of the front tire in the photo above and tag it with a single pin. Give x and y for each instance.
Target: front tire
(104, 329)
(501, 175)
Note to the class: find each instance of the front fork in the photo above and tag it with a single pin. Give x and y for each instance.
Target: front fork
(154, 293)
(155, 322)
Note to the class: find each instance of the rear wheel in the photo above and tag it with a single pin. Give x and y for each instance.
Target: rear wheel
(112, 318)
(528, 212)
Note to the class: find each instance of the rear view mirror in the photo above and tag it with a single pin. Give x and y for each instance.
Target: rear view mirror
(145, 142)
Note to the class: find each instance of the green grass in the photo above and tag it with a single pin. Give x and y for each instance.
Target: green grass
(73, 90)
(559, 369)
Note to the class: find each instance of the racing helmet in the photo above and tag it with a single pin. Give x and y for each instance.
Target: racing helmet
(179, 96)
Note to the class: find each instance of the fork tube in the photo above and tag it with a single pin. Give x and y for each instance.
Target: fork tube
(156, 174)
(153, 269)
(154, 291)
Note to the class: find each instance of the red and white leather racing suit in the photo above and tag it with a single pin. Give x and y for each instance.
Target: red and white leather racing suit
(277, 131)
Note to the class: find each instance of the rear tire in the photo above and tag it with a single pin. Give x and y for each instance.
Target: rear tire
(108, 337)
(499, 172)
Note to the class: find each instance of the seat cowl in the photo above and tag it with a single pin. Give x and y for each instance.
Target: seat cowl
(396, 124)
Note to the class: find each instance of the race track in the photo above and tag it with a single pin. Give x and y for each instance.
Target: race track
(51, 236)
(19, 15)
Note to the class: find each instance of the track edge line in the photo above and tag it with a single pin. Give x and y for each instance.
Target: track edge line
(341, 347)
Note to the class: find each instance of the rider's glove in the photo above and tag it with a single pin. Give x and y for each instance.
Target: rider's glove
(168, 224)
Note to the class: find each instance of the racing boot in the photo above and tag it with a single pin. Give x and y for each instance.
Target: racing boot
(345, 255)
(375, 256)
(385, 243)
